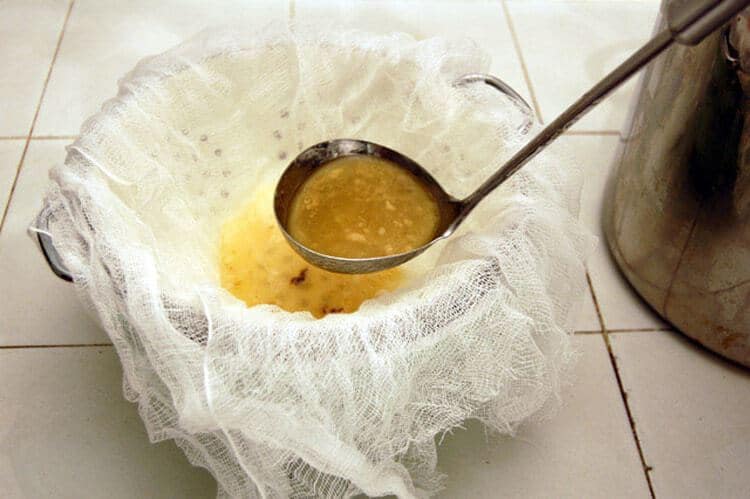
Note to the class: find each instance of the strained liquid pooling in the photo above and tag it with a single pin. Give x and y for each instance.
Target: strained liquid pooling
(258, 266)
(361, 207)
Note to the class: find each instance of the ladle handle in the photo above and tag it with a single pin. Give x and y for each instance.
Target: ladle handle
(696, 19)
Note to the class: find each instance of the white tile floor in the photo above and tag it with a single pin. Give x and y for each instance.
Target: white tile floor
(65, 431)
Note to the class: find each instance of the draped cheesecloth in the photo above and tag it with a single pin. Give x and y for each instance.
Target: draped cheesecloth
(279, 404)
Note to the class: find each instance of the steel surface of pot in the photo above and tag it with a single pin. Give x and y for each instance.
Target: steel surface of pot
(678, 210)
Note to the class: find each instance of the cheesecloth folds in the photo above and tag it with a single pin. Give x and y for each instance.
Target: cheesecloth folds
(277, 404)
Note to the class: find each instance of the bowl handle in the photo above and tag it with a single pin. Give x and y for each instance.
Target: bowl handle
(39, 231)
(503, 87)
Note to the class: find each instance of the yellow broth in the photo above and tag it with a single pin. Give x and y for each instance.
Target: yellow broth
(361, 207)
(258, 266)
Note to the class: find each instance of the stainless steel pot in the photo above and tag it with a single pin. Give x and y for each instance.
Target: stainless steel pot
(678, 210)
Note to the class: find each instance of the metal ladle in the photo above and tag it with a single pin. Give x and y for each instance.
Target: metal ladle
(689, 21)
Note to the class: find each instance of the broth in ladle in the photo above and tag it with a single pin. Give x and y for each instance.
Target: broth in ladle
(362, 206)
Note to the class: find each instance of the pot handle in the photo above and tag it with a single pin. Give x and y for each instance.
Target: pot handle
(503, 87)
(40, 232)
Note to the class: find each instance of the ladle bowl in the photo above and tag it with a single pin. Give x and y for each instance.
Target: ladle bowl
(450, 208)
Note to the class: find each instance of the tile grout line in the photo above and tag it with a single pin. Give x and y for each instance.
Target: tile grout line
(592, 132)
(646, 468)
(63, 345)
(625, 330)
(54, 137)
(36, 115)
(40, 137)
(623, 394)
(599, 315)
(522, 61)
(660, 329)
